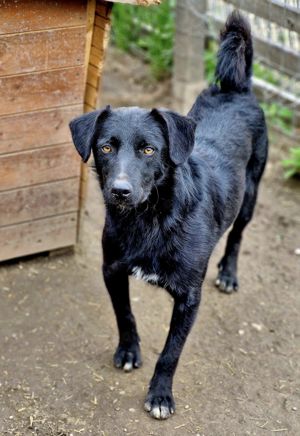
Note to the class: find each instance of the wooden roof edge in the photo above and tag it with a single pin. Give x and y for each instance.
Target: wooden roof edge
(138, 2)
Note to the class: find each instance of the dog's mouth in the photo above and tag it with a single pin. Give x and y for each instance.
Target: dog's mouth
(122, 204)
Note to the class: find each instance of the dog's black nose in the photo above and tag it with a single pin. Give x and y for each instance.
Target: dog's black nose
(121, 189)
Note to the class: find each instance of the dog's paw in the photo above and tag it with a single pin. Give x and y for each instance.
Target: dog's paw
(226, 281)
(160, 405)
(128, 358)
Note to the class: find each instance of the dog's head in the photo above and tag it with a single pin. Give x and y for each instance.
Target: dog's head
(133, 149)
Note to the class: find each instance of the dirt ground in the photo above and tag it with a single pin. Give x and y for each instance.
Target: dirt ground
(240, 370)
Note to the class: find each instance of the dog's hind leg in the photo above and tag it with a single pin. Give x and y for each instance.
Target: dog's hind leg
(227, 280)
(127, 355)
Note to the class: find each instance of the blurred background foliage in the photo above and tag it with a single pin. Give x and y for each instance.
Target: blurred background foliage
(149, 33)
(292, 164)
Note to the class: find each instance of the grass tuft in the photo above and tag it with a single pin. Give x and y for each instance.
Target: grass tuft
(292, 164)
(147, 31)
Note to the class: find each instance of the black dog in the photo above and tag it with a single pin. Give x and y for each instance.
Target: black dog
(172, 185)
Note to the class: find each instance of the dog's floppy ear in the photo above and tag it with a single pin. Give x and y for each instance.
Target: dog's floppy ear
(84, 129)
(180, 133)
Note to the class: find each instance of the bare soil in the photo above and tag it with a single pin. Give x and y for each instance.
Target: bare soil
(240, 370)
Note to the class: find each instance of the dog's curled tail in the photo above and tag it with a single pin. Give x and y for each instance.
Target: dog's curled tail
(234, 66)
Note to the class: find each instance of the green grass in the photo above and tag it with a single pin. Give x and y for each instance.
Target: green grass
(292, 164)
(279, 116)
(210, 61)
(149, 31)
(265, 73)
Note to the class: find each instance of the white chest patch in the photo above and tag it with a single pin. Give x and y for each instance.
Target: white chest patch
(140, 275)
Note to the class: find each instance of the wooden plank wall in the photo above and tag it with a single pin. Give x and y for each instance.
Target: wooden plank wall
(42, 68)
(97, 40)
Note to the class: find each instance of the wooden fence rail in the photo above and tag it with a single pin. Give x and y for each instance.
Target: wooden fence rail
(275, 11)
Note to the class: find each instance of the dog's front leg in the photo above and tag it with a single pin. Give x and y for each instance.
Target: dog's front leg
(127, 355)
(159, 401)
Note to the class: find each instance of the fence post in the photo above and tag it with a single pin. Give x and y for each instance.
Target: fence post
(188, 74)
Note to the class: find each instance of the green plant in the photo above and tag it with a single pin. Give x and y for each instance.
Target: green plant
(148, 31)
(210, 61)
(292, 164)
(265, 73)
(278, 115)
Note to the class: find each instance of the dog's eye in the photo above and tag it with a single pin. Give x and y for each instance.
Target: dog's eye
(148, 151)
(106, 149)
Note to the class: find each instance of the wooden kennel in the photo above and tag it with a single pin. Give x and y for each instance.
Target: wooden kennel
(51, 60)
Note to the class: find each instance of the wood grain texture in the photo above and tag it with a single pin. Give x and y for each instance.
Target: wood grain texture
(37, 51)
(39, 201)
(38, 236)
(95, 57)
(93, 75)
(36, 129)
(99, 34)
(91, 95)
(31, 15)
(98, 40)
(42, 83)
(41, 90)
(38, 166)
(102, 10)
(90, 10)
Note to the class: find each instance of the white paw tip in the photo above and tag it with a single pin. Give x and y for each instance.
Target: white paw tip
(223, 286)
(217, 282)
(147, 406)
(155, 412)
(127, 367)
(164, 412)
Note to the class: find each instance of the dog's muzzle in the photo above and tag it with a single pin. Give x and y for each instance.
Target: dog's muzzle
(121, 190)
